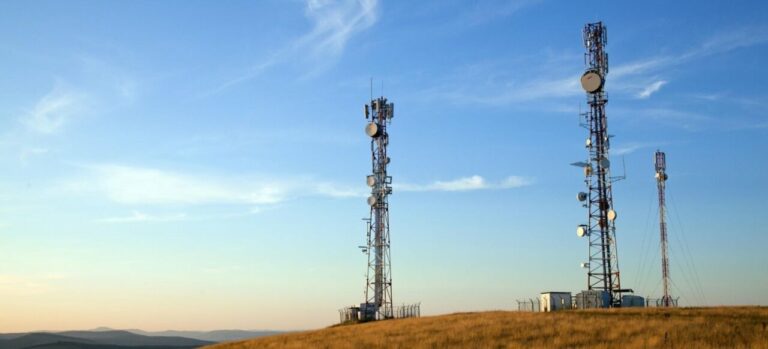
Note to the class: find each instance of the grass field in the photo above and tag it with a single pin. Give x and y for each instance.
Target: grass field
(721, 327)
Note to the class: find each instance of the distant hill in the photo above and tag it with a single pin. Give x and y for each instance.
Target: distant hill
(126, 338)
(34, 339)
(723, 327)
(73, 345)
(212, 336)
(93, 339)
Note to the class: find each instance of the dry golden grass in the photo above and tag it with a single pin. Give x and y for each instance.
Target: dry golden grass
(723, 327)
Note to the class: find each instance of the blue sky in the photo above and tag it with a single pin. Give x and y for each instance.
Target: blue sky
(193, 165)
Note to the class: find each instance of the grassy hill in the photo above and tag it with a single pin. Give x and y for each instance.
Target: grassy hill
(723, 327)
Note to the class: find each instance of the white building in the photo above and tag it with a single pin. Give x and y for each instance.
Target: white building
(552, 301)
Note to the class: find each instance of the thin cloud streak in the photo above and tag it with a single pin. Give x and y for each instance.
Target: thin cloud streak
(54, 110)
(334, 24)
(137, 217)
(631, 147)
(475, 182)
(477, 89)
(135, 185)
(651, 89)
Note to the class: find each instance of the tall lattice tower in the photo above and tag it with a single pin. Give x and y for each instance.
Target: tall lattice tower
(603, 265)
(661, 181)
(378, 289)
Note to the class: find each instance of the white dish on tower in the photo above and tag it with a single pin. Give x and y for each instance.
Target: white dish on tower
(591, 81)
(372, 130)
(582, 231)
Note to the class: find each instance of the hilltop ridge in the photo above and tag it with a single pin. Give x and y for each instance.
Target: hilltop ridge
(722, 327)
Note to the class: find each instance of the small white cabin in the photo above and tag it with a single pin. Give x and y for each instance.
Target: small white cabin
(552, 301)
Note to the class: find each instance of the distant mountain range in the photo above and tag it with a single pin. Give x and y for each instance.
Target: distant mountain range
(107, 338)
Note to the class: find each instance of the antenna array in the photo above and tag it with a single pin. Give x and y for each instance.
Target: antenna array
(378, 290)
(603, 265)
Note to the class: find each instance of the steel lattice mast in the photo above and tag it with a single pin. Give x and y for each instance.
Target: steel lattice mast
(603, 267)
(661, 180)
(378, 290)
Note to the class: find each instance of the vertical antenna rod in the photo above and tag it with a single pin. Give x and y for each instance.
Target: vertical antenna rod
(378, 291)
(661, 180)
(603, 267)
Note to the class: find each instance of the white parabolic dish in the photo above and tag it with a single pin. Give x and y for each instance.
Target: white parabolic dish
(591, 81)
(371, 129)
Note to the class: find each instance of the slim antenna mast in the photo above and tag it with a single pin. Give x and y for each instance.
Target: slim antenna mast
(378, 290)
(661, 180)
(603, 266)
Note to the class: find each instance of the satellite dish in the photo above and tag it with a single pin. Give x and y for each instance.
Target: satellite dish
(611, 215)
(582, 231)
(588, 142)
(372, 130)
(370, 180)
(371, 200)
(584, 265)
(605, 163)
(388, 160)
(591, 81)
(582, 196)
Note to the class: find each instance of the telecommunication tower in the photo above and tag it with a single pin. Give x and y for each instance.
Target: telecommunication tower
(603, 264)
(378, 290)
(661, 180)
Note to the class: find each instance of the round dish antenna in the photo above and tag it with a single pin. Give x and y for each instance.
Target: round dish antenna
(591, 81)
(371, 200)
(582, 231)
(612, 215)
(370, 180)
(372, 130)
(582, 196)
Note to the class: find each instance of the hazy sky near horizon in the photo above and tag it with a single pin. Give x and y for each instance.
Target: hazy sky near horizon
(201, 165)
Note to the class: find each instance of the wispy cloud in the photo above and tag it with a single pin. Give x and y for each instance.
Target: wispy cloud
(497, 85)
(334, 23)
(651, 89)
(631, 147)
(147, 186)
(466, 184)
(137, 216)
(52, 112)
